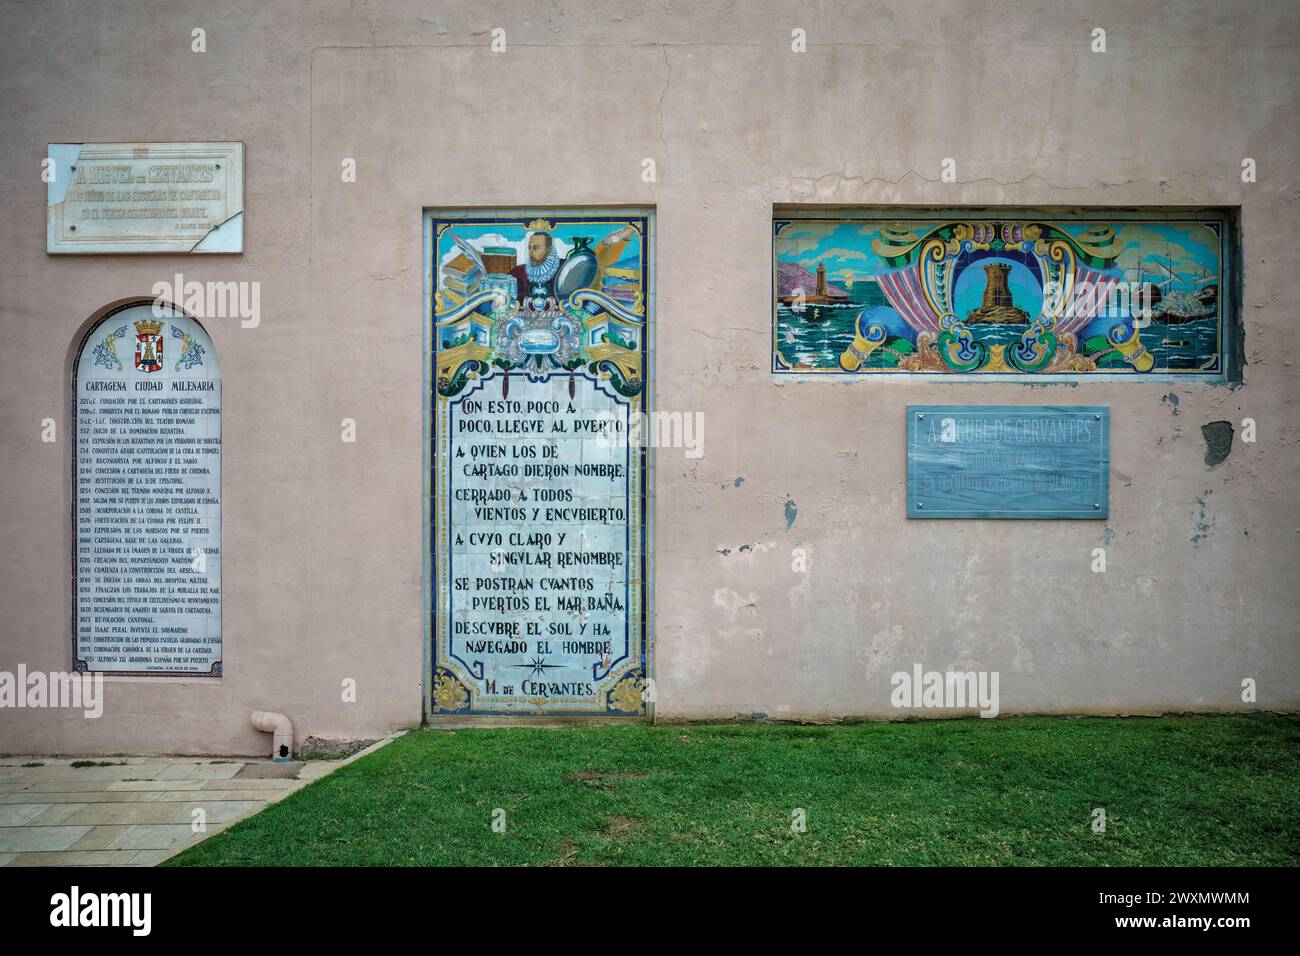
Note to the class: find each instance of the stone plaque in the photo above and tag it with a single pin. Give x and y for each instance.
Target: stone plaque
(1008, 461)
(147, 484)
(538, 497)
(145, 197)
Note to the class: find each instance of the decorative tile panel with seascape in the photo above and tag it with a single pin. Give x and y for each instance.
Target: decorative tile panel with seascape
(1018, 296)
(537, 498)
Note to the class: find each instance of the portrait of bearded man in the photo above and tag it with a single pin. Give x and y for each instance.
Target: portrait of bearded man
(536, 277)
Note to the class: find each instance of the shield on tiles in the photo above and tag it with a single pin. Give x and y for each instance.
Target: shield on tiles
(148, 345)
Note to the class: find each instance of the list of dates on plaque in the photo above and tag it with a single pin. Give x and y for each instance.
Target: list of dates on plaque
(147, 485)
(144, 198)
(538, 480)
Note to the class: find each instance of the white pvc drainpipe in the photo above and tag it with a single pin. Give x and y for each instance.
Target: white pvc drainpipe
(280, 727)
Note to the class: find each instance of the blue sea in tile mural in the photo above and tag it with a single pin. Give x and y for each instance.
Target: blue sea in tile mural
(999, 296)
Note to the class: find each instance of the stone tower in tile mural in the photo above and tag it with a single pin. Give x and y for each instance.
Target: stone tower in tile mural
(997, 305)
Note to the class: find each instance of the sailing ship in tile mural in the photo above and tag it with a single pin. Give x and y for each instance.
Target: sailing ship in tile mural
(1000, 295)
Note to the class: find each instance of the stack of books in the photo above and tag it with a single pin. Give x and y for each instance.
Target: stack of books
(462, 276)
(621, 283)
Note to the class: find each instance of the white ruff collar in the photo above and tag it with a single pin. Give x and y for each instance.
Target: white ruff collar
(543, 272)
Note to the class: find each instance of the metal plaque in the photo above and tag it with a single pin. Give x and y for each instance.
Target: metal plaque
(1008, 461)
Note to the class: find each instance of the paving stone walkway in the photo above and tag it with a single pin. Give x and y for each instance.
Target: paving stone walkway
(136, 812)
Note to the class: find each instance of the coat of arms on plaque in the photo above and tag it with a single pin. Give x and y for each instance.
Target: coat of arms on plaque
(148, 345)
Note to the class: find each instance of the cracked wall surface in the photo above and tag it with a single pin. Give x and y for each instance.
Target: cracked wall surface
(323, 540)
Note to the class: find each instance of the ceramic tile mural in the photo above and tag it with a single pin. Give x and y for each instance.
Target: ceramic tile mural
(989, 295)
(537, 496)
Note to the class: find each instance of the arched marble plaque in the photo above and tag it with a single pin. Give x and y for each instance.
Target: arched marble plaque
(146, 482)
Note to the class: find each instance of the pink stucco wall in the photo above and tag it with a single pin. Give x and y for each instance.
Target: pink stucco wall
(322, 540)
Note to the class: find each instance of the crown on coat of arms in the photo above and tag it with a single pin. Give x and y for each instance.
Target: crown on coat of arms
(148, 327)
(542, 225)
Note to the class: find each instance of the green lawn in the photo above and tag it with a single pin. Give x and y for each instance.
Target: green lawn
(1178, 791)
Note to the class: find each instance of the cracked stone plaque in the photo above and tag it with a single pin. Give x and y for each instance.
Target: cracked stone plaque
(145, 198)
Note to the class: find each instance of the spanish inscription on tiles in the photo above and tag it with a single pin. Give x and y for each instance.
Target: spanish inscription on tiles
(537, 497)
